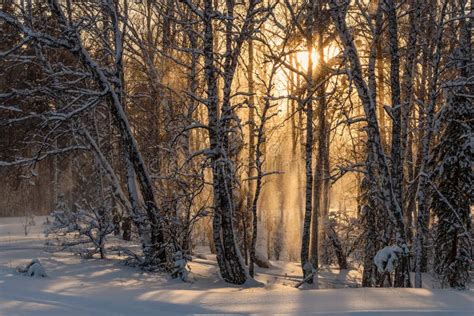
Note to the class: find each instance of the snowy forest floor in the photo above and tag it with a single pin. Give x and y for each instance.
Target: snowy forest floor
(77, 286)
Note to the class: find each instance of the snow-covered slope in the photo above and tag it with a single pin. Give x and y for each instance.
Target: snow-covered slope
(106, 287)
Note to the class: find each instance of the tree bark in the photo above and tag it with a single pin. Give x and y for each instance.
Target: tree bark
(309, 220)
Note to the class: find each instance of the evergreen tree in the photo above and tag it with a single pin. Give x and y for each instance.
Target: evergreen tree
(453, 186)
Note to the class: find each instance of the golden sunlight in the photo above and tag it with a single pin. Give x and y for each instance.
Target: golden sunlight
(302, 57)
(231, 156)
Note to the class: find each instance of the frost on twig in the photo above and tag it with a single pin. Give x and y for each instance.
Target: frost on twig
(83, 230)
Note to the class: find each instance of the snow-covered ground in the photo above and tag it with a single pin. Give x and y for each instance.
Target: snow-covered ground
(106, 287)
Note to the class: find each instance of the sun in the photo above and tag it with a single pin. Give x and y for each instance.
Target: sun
(300, 60)
(302, 57)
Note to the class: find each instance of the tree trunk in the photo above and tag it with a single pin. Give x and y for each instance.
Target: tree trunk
(306, 265)
(320, 167)
(423, 186)
(370, 208)
(407, 104)
(228, 255)
(251, 156)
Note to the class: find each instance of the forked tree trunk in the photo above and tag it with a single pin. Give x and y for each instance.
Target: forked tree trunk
(228, 255)
(423, 184)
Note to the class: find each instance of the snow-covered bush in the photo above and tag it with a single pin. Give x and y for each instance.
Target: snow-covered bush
(83, 230)
(387, 261)
(387, 258)
(180, 266)
(33, 269)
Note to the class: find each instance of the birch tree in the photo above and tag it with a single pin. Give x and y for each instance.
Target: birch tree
(221, 121)
(107, 80)
(384, 179)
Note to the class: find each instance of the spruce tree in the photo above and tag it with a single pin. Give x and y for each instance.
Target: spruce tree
(452, 183)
